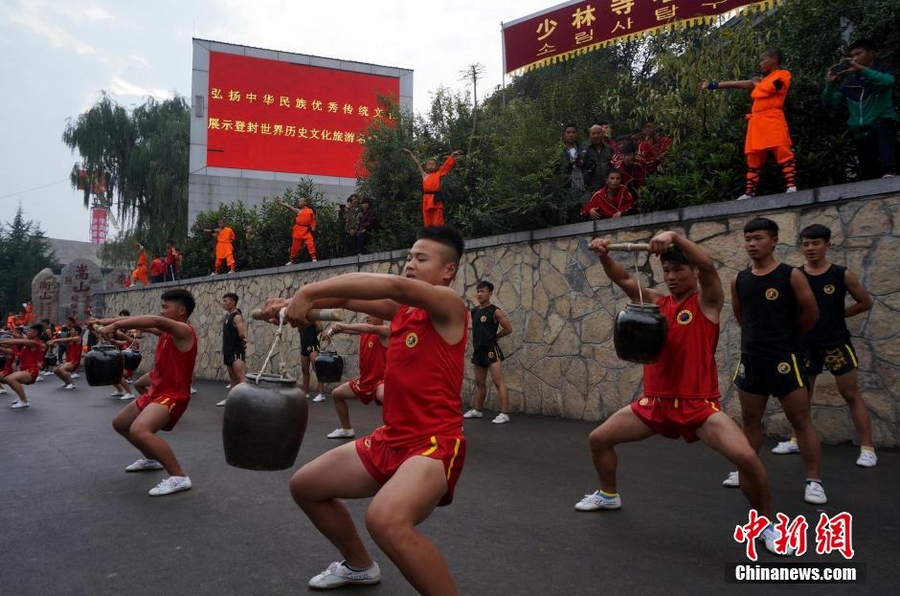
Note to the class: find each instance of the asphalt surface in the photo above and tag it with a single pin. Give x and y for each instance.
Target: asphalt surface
(72, 522)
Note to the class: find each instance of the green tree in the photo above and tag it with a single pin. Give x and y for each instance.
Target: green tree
(24, 252)
(144, 156)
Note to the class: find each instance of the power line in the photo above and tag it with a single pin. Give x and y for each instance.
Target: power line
(22, 192)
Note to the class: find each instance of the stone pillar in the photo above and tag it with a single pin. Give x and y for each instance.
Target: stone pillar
(77, 282)
(45, 295)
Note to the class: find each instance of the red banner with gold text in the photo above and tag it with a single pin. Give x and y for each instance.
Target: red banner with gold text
(578, 27)
(283, 117)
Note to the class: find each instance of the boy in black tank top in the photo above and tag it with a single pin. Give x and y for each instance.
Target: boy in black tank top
(828, 345)
(775, 306)
(489, 324)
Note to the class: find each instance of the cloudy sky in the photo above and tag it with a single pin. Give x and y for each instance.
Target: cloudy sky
(56, 56)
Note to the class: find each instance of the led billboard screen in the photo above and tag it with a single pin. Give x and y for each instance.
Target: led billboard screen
(283, 117)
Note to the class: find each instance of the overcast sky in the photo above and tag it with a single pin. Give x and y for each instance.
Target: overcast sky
(56, 56)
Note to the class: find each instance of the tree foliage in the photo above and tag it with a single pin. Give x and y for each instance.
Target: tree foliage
(24, 252)
(144, 155)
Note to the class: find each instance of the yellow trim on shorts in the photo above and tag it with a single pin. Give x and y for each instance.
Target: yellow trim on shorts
(453, 459)
(433, 448)
(850, 351)
(797, 370)
(736, 369)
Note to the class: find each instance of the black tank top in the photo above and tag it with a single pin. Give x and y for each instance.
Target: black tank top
(231, 341)
(830, 290)
(768, 312)
(484, 327)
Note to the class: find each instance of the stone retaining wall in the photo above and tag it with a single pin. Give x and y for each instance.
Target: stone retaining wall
(560, 357)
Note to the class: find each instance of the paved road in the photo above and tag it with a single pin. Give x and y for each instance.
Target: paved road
(72, 522)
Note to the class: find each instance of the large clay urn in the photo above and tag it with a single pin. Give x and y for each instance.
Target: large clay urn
(264, 423)
(130, 359)
(640, 333)
(103, 365)
(329, 367)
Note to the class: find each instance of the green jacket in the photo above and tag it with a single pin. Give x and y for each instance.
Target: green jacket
(868, 95)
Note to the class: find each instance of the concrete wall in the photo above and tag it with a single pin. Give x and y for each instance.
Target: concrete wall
(560, 357)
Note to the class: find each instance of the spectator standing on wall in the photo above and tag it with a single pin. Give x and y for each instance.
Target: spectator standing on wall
(432, 176)
(366, 223)
(598, 159)
(304, 227)
(352, 214)
(866, 89)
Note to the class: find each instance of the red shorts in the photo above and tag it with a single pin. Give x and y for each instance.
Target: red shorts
(34, 372)
(382, 460)
(365, 393)
(674, 417)
(175, 406)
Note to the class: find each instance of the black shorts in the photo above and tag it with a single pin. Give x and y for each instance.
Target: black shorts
(770, 375)
(837, 360)
(309, 340)
(485, 357)
(230, 358)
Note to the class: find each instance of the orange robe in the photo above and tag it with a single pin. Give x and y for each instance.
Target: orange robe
(140, 273)
(432, 205)
(766, 125)
(224, 248)
(301, 233)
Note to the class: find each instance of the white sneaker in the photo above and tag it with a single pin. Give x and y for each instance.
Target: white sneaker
(20, 404)
(768, 537)
(126, 396)
(221, 404)
(815, 493)
(733, 480)
(341, 433)
(2, 390)
(172, 484)
(501, 418)
(791, 189)
(40, 378)
(69, 386)
(319, 397)
(338, 574)
(193, 390)
(144, 465)
(289, 263)
(75, 375)
(785, 447)
(867, 459)
(228, 386)
(473, 413)
(596, 501)
(116, 394)
(744, 197)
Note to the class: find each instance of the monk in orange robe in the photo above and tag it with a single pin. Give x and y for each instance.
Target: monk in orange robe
(224, 246)
(767, 129)
(140, 272)
(432, 204)
(304, 226)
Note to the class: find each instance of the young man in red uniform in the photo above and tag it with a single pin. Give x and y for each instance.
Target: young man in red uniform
(775, 307)
(31, 358)
(304, 227)
(681, 390)
(73, 356)
(611, 201)
(432, 204)
(410, 465)
(767, 129)
(369, 385)
(169, 393)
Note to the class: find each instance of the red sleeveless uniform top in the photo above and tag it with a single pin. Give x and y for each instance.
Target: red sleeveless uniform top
(422, 381)
(687, 365)
(31, 358)
(372, 355)
(73, 353)
(172, 370)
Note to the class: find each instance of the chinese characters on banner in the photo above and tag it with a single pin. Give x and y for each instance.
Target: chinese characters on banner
(579, 27)
(832, 534)
(283, 117)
